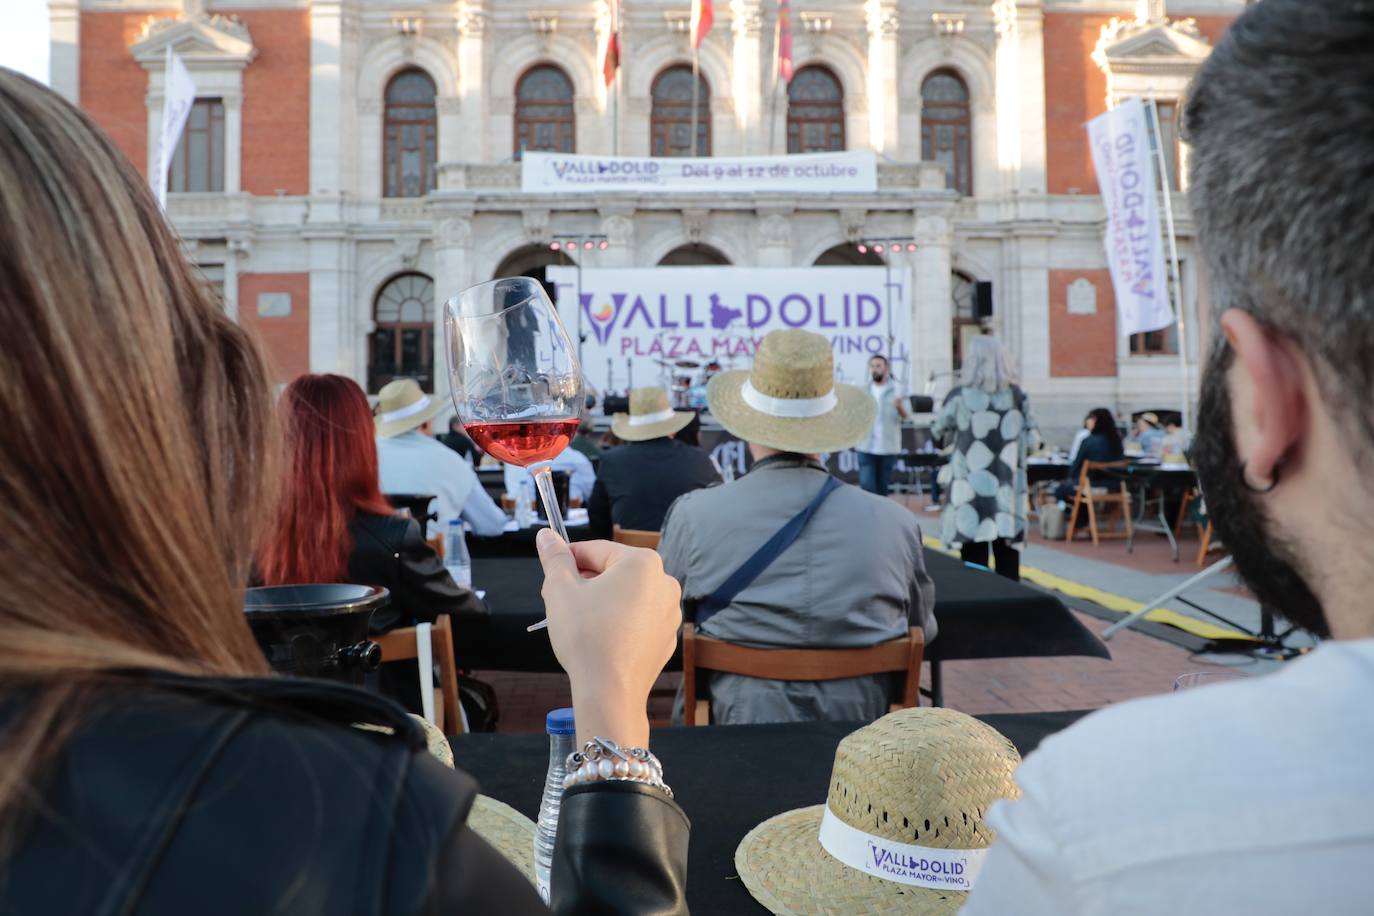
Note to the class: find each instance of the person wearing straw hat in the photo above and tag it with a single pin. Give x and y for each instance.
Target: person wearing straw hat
(411, 461)
(901, 829)
(638, 481)
(809, 561)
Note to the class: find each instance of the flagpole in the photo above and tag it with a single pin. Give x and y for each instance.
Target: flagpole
(615, 83)
(696, 90)
(773, 96)
(1176, 292)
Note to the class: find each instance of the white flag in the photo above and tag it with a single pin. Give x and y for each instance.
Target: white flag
(1125, 166)
(179, 94)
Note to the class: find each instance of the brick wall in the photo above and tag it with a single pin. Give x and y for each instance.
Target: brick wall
(276, 102)
(112, 85)
(1076, 92)
(286, 340)
(1082, 345)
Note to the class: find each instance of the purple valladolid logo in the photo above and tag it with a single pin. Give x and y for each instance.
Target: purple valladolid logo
(722, 316)
(602, 317)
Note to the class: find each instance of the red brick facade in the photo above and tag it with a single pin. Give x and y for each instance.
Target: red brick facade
(1082, 344)
(276, 102)
(286, 340)
(1076, 92)
(113, 86)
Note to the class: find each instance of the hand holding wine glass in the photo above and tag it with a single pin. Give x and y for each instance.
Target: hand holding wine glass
(515, 379)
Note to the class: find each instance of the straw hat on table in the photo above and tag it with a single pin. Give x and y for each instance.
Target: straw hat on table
(901, 829)
(651, 416)
(507, 831)
(402, 406)
(789, 399)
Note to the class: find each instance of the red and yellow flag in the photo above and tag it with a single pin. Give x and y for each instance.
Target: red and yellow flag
(611, 62)
(702, 18)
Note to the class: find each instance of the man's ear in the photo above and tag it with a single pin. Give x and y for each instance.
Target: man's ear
(1269, 402)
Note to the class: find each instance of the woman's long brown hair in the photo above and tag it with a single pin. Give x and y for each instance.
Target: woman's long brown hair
(136, 436)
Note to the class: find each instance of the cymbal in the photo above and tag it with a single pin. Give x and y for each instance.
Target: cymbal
(687, 364)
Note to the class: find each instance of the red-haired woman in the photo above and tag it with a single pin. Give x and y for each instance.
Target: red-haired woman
(334, 525)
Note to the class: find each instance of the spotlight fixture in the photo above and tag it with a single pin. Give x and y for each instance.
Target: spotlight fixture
(910, 246)
(878, 248)
(555, 246)
(863, 249)
(604, 245)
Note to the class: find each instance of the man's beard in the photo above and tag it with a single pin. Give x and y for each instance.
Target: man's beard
(1264, 558)
(879, 377)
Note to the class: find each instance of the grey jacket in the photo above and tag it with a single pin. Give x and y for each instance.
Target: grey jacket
(854, 577)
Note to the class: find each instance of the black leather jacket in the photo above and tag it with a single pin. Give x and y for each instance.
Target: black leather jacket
(389, 551)
(239, 796)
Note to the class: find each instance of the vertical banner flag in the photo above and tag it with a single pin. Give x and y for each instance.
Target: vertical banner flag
(669, 323)
(785, 40)
(1120, 141)
(179, 94)
(612, 61)
(702, 18)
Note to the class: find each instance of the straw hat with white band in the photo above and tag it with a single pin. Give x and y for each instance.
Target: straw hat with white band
(902, 828)
(789, 399)
(651, 416)
(402, 406)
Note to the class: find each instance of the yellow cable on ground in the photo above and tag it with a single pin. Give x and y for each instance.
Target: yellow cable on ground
(1199, 628)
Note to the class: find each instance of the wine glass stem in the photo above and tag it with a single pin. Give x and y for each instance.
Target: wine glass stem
(543, 480)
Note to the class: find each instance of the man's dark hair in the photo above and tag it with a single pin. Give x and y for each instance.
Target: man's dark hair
(873, 356)
(1281, 122)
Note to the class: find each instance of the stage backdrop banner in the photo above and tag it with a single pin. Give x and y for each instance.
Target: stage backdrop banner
(1122, 157)
(818, 173)
(634, 321)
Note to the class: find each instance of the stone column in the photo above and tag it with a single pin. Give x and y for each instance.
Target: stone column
(932, 305)
(773, 236)
(452, 273)
(883, 53)
(1022, 305)
(618, 225)
(752, 78)
(326, 108)
(472, 27)
(64, 64)
(1021, 93)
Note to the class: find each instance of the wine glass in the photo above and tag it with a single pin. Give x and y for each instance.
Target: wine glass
(1195, 679)
(515, 379)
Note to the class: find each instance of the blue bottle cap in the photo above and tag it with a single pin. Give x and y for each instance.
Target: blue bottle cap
(560, 722)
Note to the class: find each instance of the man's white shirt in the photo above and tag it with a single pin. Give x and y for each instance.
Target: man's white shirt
(414, 463)
(1249, 797)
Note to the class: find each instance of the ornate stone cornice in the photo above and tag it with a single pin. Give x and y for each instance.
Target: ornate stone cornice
(198, 39)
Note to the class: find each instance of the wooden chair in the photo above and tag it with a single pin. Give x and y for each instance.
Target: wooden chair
(702, 653)
(1092, 497)
(436, 541)
(399, 646)
(636, 538)
(1205, 546)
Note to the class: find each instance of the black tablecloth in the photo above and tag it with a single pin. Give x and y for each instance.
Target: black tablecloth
(727, 778)
(519, 544)
(980, 615)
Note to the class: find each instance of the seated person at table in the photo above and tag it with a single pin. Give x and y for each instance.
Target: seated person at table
(151, 764)
(586, 440)
(458, 440)
(1176, 442)
(1148, 436)
(413, 462)
(334, 525)
(581, 476)
(1252, 797)
(639, 480)
(853, 576)
(1102, 444)
(1079, 436)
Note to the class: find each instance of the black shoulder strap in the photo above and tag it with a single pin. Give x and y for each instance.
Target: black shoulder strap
(741, 578)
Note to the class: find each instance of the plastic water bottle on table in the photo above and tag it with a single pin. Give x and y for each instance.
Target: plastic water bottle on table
(562, 738)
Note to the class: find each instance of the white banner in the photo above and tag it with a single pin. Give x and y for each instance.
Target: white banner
(179, 94)
(1120, 141)
(659, 324)
(906, 863)
(819, 173)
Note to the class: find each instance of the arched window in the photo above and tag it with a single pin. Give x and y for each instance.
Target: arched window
(403, 344)
(544, 117)
(815, 112)
(410, 130)
(849, 255)
(694, 255)
(670, 122)
(946, 130)
(532, 261)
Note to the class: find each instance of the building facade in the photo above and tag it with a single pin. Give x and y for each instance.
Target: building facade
(350, 163)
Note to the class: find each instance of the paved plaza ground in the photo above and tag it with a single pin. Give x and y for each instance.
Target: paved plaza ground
(1142, 663)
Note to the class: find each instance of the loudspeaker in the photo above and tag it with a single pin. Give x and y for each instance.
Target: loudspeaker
(982, 299)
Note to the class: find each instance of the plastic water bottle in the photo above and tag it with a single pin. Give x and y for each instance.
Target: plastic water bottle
(456, 557)
(562, 738)
(524, 505)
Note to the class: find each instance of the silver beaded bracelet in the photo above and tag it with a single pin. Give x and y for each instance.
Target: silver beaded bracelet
(602, 760)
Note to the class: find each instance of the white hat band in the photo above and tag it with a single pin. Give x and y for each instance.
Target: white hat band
(648, 419)
(905, 863)
(788, 408)
(410, 410)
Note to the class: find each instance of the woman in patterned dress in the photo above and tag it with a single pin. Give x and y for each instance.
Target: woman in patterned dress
(988, 420)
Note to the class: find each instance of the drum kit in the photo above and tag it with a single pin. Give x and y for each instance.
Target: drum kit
(686, 380)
